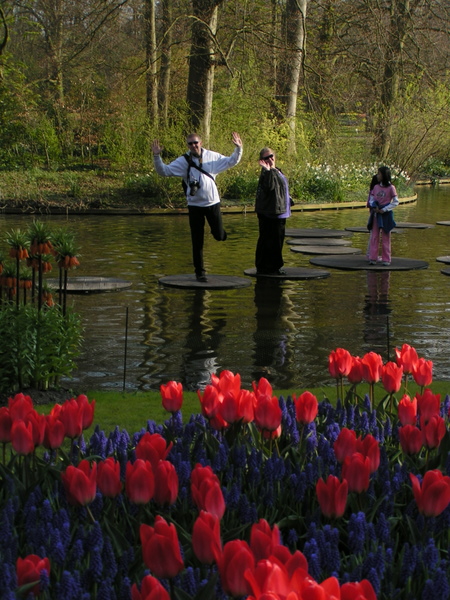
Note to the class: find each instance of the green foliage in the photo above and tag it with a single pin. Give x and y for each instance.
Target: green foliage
(318, 184)
(159, 191)
(37, 347)
(435, 167)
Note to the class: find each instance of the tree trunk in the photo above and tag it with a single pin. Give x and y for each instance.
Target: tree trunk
(166, 64)
(3, 41)
(296, 37)
(201, 65)
(400, 21)
(151, 78)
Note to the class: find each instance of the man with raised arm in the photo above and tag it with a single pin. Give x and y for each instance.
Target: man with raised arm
(198, 169)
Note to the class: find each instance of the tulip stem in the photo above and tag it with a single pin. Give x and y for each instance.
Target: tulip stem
(90, 514)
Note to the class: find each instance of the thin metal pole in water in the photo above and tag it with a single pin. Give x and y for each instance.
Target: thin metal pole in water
(388, 335)
(125, 352)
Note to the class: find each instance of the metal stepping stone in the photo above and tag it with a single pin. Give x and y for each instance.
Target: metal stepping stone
(413, 225)
(365, 230)
(443, 223)
(330, 233)
(290, 273)
(91, 285)
(358, 263)
(444, 259)
(318, 242)
(325, 250)
(215, 282)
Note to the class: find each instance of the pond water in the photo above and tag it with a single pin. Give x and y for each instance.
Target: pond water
(281, 330)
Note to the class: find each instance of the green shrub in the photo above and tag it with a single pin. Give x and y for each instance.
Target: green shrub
(37, 347)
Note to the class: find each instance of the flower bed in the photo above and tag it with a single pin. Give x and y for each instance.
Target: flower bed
(257, 496)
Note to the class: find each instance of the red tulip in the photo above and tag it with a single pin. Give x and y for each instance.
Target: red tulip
(433, 495)
(166, 483)
(391, 377)
(292, 562)
(339, 363)
(72, 414)
(263, 388)
(268, 413)
(172, 396)
(327, 590)
(139, 481)
(411, 439)
(151, 589)
(270, 580)
(332, 496)
(108, 477)
(87, 410)
(22, 437)
(153, 447)
(206, 491)
(423, 372)
(263, 539)
(227, 382)
(55, 432)
(210, 401)
(356, 374)
(306, 408)
(241, 408)
(235, 560)
(372, 364)
(369, 447)
(407, 410)
(356, 470)
(433, 431)
(80, 483)
(5, 425)
(29, 570)
(20, 406)
(218, 423)
(345, 444)
(206, 540)
(38, 424)
(358, 590)
(428, 404)
(406, 357)
(161, 548)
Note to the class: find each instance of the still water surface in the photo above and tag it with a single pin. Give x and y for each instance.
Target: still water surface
(281, 330)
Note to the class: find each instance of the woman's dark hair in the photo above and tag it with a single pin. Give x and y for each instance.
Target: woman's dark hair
(374, 182)
(385, 175)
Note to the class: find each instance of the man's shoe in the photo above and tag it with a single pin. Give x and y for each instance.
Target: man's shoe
(202, 278)
(386, 263)
(372, 262)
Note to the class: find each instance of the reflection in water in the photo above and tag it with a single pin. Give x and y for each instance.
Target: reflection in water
(282, 329)
(274, 331)
(376, 310)
(204, 333)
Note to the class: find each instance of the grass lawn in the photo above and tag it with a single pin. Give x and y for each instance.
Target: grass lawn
(131, 411)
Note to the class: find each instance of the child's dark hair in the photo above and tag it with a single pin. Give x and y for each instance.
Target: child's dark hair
(385, 175)
(374, 182)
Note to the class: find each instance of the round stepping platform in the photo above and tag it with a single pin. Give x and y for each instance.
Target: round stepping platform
(445, 271)
(290, 273)
(322, 233)
(91, 285)
(339, 250)
(359, 263)
(318, 242)
(413, 225)
(365, 230)
(215, 282)
(444, 259)
(442, 222)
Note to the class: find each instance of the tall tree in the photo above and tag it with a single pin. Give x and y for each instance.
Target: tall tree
(151, 62)
(202, 63)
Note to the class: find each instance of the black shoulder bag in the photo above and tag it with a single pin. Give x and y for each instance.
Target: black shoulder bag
(191, 163)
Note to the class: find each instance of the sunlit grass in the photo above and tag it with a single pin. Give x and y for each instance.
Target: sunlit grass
(132, 410)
